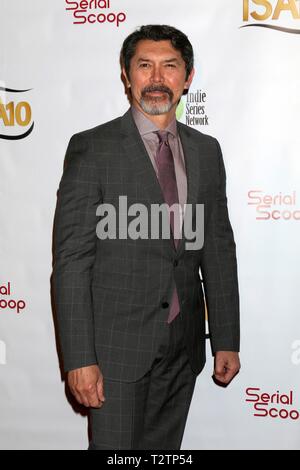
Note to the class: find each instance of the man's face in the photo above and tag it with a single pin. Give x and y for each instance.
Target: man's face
(157, 77)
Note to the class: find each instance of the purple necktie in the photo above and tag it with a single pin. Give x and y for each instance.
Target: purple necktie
(167, 180)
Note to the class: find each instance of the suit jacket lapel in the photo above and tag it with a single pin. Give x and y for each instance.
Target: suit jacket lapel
(136, 152)
(191, 157)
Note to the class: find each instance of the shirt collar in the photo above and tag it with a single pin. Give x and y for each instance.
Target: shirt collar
(146, 126)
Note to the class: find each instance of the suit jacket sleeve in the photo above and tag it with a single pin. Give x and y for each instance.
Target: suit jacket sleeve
(74, 252)
(219, 270)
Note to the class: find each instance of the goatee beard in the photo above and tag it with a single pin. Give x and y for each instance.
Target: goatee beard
(153, 105)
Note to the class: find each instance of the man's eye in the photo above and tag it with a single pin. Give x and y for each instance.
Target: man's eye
(145, 65)
(171, 65)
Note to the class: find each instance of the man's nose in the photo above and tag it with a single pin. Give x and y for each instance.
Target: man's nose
(157, 75)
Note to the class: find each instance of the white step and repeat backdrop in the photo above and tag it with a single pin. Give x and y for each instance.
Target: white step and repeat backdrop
(59, 75)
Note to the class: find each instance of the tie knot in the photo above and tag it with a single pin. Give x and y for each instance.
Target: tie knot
(163, 137)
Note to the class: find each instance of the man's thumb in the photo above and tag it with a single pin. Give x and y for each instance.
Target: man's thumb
(219, 368)
(100, 391)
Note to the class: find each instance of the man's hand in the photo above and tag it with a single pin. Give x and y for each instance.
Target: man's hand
(86, 384)
(227, 365)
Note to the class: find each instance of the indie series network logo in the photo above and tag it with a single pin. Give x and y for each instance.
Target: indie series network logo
(192, 109)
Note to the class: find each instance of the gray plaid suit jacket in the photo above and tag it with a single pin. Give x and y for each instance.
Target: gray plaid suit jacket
(112, 296)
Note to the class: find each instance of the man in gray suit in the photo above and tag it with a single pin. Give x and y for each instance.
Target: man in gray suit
(130, 310)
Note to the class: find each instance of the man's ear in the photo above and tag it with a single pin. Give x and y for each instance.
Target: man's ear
(126, 77)
(189, 80)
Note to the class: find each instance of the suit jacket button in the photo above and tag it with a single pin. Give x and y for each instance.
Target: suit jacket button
(165, 304)
(175, 263)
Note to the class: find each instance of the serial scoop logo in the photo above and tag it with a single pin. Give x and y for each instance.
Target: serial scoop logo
(15, 114)
(267, 14)
(8, 304)
(274, 206)
(272, 405)
(94, 11)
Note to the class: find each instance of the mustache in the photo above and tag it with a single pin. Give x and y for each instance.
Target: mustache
(153, 88)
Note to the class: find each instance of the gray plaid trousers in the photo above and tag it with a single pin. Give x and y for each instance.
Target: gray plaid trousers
(150, 413)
